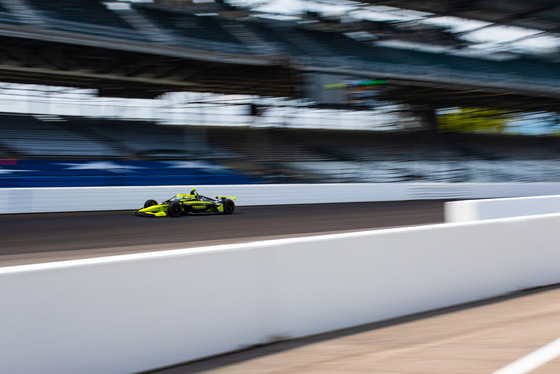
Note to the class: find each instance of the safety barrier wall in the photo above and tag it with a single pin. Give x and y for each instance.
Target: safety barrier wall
(63, 199)
(130, 313)
(474, 210)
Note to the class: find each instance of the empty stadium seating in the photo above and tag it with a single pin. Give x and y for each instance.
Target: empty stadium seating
(187, 25)
(195, 31)
(72, 173)
(84, 17)
(6, 16)
(29, 137)
(249, 36)
(95, 152)
(83, 11)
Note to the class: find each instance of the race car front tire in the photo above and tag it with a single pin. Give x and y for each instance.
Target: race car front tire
(175, 209)
(150, 203)
(229, 206)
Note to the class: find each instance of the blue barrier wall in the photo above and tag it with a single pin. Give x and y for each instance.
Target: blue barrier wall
(64, 173)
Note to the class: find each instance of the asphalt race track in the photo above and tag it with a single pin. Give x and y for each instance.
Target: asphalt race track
(32, 238)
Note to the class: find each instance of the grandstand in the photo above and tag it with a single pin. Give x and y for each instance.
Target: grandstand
(249, 54)
(79, 152)
(143, 50)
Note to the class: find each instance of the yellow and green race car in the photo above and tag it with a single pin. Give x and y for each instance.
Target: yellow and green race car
(191, 203)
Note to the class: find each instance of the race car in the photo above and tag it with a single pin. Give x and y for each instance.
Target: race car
(191, 203)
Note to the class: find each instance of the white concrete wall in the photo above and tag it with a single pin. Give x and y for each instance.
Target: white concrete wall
(131, 313)
(34, 200)
(474, 210)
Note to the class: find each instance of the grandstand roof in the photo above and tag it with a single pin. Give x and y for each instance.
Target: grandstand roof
(480, 27)
(535, 14)
(218, 47)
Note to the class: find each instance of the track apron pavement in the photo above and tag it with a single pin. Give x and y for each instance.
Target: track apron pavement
(475, 338)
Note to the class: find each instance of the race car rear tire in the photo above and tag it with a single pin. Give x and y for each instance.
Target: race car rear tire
(229, 206)
(175, 209)
(150, 203)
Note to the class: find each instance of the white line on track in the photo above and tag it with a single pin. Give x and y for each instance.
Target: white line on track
(533, 360)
